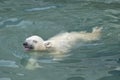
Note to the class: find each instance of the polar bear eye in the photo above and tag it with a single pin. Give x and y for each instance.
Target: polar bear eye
(34, 41)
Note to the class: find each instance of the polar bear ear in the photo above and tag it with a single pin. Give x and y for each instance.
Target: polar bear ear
(48, 44)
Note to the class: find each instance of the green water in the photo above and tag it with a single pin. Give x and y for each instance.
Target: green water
(99, 60)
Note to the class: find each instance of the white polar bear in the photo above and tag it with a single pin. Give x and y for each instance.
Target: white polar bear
(61, 43)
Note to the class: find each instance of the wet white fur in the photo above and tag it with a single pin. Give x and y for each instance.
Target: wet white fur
(63, 42)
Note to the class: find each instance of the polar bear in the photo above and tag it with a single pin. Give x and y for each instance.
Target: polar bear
(61, 43)
(58, 44)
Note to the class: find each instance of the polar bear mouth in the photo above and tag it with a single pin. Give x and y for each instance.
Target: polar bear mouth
(27, 46)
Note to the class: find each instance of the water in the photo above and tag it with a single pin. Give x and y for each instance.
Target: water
(99, 60)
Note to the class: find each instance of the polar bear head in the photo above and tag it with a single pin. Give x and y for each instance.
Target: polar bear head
(36, 43)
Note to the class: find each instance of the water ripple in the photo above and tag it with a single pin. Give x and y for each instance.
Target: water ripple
(40, 8)
(11, 21)
(8, 63)
(5, 79)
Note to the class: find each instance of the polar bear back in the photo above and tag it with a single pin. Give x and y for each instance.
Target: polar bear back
(64, 41)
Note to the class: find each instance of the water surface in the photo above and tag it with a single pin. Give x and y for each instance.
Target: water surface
(98, 60)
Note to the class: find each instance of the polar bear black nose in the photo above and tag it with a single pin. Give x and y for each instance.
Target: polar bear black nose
(25, 44)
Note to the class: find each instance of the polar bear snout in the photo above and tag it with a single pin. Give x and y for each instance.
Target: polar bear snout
(27, 46)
